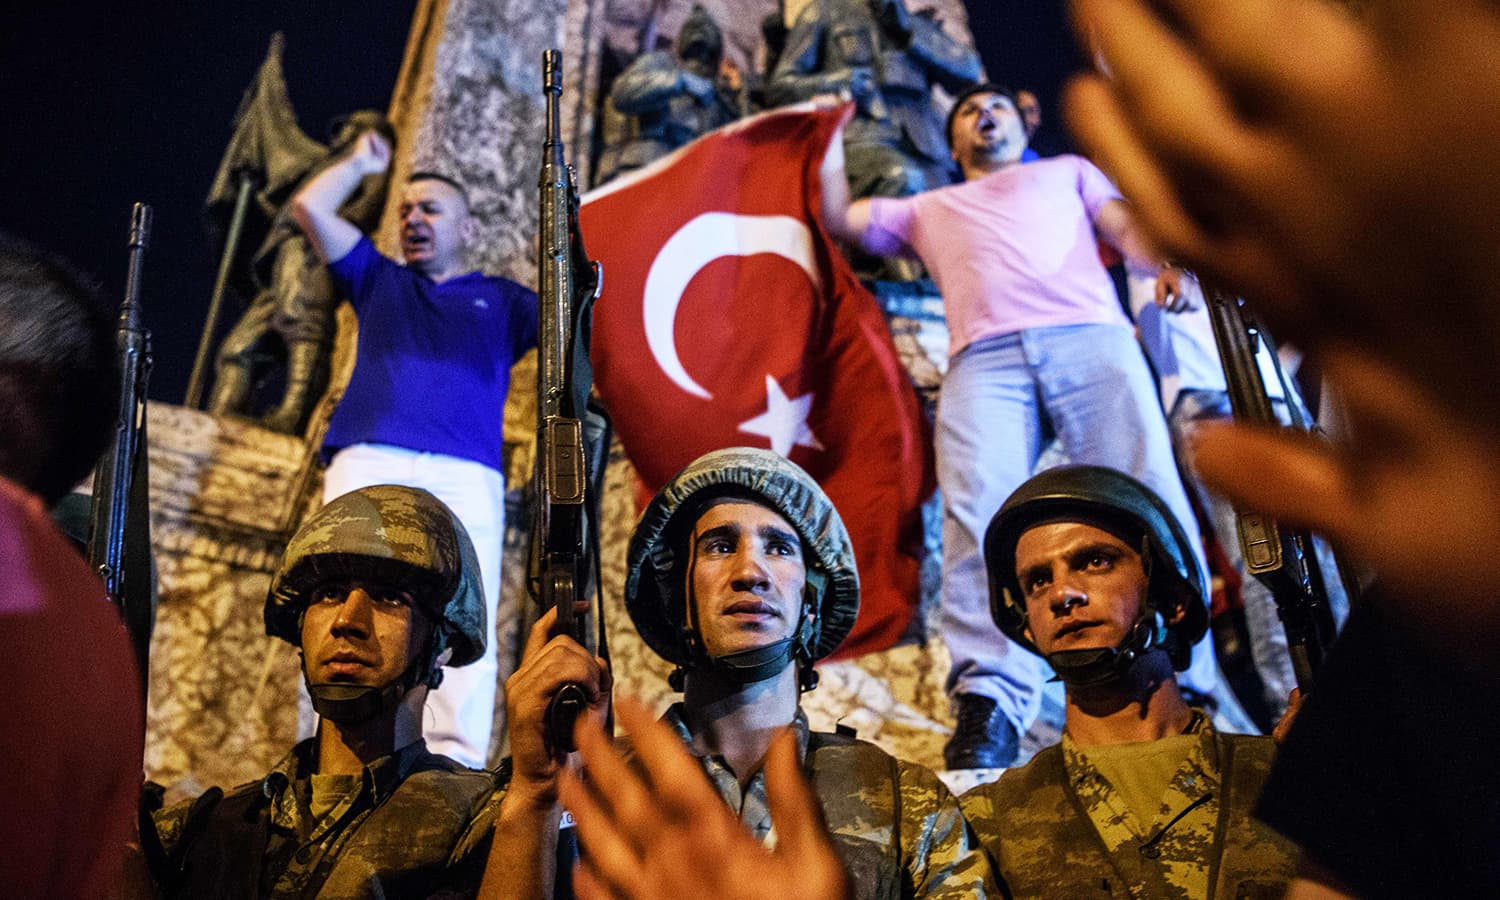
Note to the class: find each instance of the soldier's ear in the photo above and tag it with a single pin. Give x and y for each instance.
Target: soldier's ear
(442, 658)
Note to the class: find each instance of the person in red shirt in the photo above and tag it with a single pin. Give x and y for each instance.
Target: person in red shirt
(70, 766)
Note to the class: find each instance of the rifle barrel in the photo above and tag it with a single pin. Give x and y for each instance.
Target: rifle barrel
(110, 537)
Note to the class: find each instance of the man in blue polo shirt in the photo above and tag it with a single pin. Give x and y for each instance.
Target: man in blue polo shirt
(424, 406)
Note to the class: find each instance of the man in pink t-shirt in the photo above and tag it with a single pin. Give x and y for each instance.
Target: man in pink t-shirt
(1040, 348)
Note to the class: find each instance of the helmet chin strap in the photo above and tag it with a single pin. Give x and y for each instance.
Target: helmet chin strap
(756, 664)
(1078, 668)
(351, 704)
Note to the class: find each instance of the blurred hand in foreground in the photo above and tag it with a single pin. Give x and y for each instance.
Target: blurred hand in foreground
(659, 829)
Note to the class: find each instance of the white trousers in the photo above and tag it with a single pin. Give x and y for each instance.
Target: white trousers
(461, 712)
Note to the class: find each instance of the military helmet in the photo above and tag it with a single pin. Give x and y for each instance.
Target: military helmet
(402, 535)
(1112, 500)
(655, 584)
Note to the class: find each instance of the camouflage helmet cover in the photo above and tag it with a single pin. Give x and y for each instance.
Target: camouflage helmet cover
(752, 473)
(398, 534)
(1104, 496)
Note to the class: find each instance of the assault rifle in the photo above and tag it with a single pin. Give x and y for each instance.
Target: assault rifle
(564, 555)
(120, 526)
(1284, 559)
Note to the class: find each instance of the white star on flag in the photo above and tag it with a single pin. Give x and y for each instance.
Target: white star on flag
(784, 422)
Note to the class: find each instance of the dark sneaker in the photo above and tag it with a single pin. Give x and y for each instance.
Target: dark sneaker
(984, 738)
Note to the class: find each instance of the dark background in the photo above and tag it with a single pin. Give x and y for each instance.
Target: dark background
(135, 102)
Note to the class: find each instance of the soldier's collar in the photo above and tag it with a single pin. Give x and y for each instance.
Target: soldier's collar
(384, 775)
(1205, 753)
(676, 718)
(380, 777)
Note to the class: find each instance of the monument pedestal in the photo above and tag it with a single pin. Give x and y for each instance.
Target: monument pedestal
(225, 497)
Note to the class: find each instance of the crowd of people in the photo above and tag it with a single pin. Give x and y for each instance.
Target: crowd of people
(1338, 172)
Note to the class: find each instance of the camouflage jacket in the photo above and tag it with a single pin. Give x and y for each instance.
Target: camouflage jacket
(397, 835)
(1038, 824)
(895, 825)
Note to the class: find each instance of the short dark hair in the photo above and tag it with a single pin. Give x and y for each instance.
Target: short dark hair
(59, 372)
(427, 175)
(984, 87)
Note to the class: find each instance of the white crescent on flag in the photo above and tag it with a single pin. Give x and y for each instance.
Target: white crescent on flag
(702, 240)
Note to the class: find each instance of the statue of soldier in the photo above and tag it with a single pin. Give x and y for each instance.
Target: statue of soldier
(674, 98)
(378, 591)
(887, 59)
(295, 302)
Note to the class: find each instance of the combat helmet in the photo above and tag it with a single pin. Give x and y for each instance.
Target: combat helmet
(656, 594)
(1111, 500)
(397, 534)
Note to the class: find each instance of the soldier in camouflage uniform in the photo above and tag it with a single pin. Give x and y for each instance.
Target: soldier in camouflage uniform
(379, 590)
(1143, 798)
(741, 574)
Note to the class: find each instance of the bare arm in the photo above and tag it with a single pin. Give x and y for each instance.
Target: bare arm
(1116, 225)
(847, 221)
(316, 205)
(523, 848)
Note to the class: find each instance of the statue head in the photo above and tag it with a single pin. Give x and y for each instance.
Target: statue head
(700, 42)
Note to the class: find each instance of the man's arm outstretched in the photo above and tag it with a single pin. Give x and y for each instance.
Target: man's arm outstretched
(848, 221)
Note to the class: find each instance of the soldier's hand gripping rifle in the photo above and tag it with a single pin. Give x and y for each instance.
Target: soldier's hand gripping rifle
(564, 536)
(120, 532)
(1284, 559)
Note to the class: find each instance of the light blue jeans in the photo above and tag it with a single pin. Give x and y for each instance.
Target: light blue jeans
(1001, 401)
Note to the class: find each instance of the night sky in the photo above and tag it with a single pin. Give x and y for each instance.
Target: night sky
(136, 103)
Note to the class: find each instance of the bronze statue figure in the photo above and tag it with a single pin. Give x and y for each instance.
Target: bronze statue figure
(289, 320)
(673, 97)
(887, 59)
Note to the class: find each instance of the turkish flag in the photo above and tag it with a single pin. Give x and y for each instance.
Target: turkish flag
(730, 318)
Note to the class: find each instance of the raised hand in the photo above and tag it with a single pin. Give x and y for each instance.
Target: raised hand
(663, 831)
(547, 663)
(371, 153)
(1337, 170)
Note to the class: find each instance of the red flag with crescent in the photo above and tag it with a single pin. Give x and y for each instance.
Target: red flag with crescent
(730, 318)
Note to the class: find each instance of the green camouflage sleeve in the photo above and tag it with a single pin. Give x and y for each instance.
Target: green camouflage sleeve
(474, 844)
(471, 852)
(939, 849)
(978, 807)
